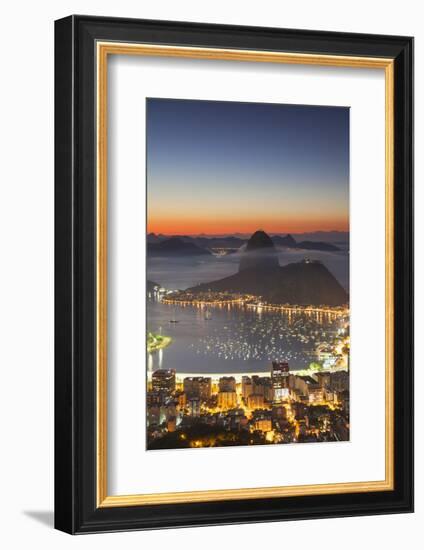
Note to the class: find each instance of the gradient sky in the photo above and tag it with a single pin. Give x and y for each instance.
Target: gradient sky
(226, 167)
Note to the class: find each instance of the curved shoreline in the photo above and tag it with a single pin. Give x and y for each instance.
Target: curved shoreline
(166, 341)
(238, 375)
(326, 310)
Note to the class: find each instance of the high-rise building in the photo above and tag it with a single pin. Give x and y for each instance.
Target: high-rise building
(323, 378)
(280, 381)
(304, 383)
(340, 380)
(227, 384)
(257, 386)
(197, 386)
(163, 380)
(301, 385)
(268, 390)
(227, 400)
(182, 400)
(262, 385)
(255, 401)
(246, 387)
(193, 405)
(153, 398)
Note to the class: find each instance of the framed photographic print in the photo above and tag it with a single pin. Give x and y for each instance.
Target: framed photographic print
(234, 274)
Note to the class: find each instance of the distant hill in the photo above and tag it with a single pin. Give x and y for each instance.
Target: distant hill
(152, 238)
(317, 245)
(232, 242)
(302, 283)
(287, 241)
(290, 242)
(219, 242)
(323, 236)
(175, 246)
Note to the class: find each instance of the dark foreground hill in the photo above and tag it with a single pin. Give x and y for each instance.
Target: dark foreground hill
(301, 283)
(260, 274)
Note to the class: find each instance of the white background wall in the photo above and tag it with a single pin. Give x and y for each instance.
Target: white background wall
(26, 273)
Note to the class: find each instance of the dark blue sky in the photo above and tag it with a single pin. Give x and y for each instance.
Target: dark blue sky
(239, 166)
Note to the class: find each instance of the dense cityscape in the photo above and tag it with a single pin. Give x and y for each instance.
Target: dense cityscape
(285, 406)
(247, 260)
(257, 321)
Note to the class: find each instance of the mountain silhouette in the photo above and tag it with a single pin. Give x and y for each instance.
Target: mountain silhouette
(260, 253)
(287, 241)
(317, 245)
(175, 246)
(301, 283)
(231, 241)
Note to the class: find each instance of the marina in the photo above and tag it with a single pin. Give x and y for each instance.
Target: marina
(233, 340)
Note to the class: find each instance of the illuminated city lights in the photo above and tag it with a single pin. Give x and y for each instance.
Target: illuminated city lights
(284, 407)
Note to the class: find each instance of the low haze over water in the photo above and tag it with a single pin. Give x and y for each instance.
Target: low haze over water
(181, 273)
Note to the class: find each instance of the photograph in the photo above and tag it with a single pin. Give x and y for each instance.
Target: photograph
(247, 260)
(211, 266)
(233, 254)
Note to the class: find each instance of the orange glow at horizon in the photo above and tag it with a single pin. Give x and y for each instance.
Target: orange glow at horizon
(216, 227)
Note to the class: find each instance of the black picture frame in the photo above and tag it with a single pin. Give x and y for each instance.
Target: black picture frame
(76, 510)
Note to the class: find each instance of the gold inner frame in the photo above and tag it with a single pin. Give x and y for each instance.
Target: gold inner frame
(104, 49)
